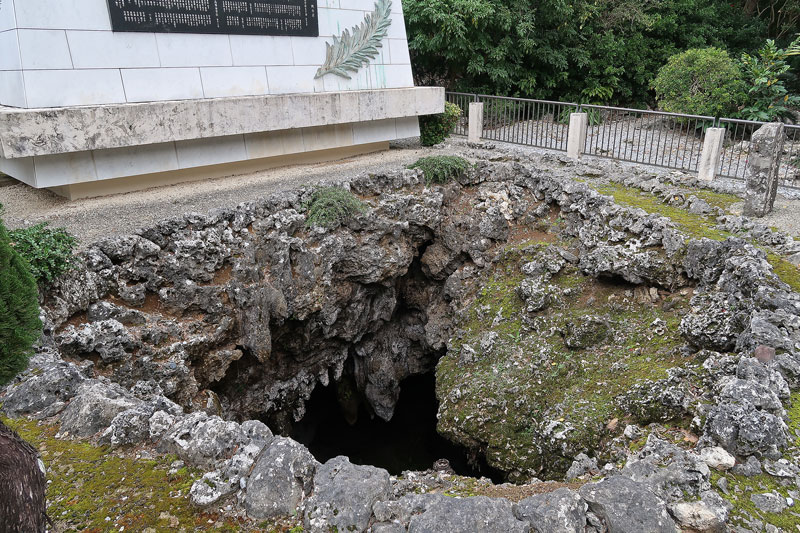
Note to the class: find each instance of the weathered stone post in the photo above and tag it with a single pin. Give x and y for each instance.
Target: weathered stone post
(711, 155)
(475, 122)
(766, 147)
(576, 137)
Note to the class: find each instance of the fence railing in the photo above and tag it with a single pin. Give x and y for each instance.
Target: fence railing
(462, 100)
(539, 123)
(648, 137)
(656, 138)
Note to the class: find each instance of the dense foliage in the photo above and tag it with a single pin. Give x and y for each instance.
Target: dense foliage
(700, 81)
(19, 310)
(604, 51)
(441, 168)
(768, 99)
(48, 251)
(330, 206)
(435, 128)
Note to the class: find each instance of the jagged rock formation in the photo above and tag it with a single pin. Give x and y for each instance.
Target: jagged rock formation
(179, 336)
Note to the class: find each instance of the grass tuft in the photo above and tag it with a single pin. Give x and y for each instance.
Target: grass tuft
(331, 206)
(441, 168)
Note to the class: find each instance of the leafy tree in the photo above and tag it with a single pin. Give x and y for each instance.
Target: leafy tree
(19, 310)
(602, 51)
(700, 81)
(768, 99)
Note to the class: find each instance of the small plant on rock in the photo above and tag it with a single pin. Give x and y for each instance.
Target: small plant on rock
(19, 310)
(436, 128)
(49, 251)
(441, 168)
(330, 206)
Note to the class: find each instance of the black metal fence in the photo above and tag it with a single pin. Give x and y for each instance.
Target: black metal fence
(669, 140)
(462, 100)
(648, 137)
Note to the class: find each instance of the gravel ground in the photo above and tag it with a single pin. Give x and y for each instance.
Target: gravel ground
(92, 219)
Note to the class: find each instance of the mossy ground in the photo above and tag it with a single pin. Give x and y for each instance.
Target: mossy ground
(92, 489)
(697, 226)
(504, 398)
(740, 488)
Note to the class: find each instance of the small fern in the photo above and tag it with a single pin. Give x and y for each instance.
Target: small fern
(330, 206)
(441, 168)
(350, 51)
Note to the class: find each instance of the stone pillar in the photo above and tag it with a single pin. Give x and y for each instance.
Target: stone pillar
(763, 163)
(475, 122)
(576, 138)
(711, 155)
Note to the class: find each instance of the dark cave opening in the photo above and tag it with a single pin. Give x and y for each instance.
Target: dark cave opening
(409, 441)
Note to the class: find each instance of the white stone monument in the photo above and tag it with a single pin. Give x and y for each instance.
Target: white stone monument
(98, 96)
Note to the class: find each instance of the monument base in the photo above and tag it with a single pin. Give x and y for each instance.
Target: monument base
(158, 179)
(71, 149)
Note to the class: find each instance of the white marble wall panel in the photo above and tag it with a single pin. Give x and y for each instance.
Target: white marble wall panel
(64, 169)
(8, 19)
(203, 152)
(122, 162)
(44, 50)
(252, 50)
(194, 50)
(52, 88)
(370, 132)
(63, 14)
(105, 49)
(9, 51)
(152, 84)
(21, 169)
(12, 88)
(75, 35)
(234, 81)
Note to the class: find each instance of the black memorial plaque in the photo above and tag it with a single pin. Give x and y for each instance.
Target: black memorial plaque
(251, 17)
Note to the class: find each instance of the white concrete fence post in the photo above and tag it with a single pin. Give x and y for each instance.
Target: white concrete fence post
(710, 157)
(576, 136)
(475, 122)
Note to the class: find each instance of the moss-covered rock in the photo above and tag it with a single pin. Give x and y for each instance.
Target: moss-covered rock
(530, 400)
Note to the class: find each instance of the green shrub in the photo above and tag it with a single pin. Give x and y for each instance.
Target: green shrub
(700, 81)
(436, 128)
(330, 206)
(19, 310)
(47, 250)
(767, 97)
(441, 168)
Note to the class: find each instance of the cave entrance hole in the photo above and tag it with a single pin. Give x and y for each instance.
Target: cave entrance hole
(409, 441)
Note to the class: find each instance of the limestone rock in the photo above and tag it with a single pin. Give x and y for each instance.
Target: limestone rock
(281, 479)
(561, 510)
(203, 440)
(94, 407)
(45, 388)
(344, 494)
(626, 506)
(580, 466)
(717, 458)
(697, 516)
(467, 515)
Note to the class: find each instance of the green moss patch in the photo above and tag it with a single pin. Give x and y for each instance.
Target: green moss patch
(740, 488)
(92, 489)
(502, 399)
(693, 225)
(696, 226)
